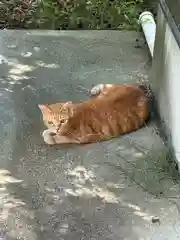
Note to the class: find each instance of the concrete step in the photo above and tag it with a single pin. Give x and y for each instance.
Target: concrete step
(121, 189)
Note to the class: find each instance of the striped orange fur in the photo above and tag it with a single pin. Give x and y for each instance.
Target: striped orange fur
(113, 110)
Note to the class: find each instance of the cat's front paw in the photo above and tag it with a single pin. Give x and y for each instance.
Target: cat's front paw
(48, 137)
(97, 89)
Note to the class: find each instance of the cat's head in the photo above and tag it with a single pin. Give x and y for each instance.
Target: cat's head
(56, 115)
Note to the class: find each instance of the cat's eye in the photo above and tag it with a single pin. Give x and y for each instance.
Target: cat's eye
(63, 121)
(50, 122)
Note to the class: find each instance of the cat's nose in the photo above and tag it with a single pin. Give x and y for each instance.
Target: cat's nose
(52, 134)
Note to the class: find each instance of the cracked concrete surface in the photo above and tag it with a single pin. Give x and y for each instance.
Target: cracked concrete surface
(120, 189)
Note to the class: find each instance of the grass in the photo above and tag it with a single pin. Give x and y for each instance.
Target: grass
(73, 14)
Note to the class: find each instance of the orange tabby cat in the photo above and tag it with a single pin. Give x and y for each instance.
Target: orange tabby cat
(113, 110)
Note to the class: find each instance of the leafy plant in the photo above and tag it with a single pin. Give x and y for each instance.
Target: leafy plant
(17, 13)
(72, 14)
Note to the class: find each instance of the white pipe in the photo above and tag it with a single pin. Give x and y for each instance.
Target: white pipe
(148, 24)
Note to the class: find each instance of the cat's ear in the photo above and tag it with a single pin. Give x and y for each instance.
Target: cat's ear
(70, 107)
(44, 107)
(67, 104)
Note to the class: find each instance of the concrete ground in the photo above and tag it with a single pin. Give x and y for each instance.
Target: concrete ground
(121, 189)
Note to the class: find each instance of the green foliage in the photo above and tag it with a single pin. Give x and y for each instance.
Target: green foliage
(72, 14)
(17, 13)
